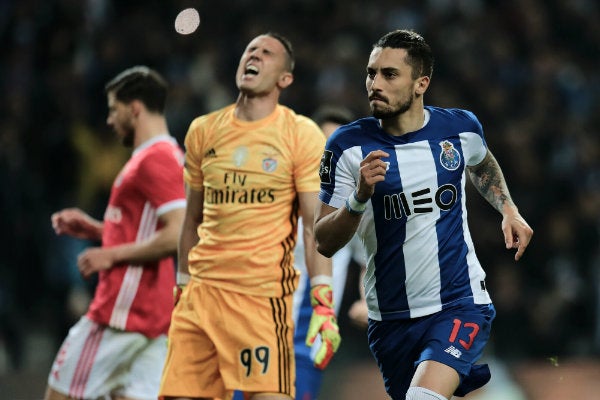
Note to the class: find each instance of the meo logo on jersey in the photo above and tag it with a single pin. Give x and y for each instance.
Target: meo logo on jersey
(449, 156)
(402, 204)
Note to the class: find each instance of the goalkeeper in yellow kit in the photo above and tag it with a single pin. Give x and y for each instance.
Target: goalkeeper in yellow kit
(251, 170)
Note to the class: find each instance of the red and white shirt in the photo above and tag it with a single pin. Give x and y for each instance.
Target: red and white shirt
(139, 298)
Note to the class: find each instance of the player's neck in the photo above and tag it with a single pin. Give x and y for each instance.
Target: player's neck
(410, 121)
(254, 108)
(149, 128)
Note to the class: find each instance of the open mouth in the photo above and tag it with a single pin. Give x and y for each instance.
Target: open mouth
(251, 70)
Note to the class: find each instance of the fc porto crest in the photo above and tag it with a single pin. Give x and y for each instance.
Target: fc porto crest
(449, 156)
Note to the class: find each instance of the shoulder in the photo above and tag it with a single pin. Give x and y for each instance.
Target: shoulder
(299, 120)
(362, 124)
(461, 118)
(214, 117)
(457, 113)
(162, 153)
(301, 128)
(353, 133)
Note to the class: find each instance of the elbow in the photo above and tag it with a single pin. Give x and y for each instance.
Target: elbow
(326, 251)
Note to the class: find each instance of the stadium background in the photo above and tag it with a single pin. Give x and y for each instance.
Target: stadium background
(527, 68)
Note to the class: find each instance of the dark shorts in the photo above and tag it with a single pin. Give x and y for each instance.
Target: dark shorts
(455, 337)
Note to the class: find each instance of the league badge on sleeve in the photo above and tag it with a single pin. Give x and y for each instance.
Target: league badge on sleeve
(449, 156)
(325, 168)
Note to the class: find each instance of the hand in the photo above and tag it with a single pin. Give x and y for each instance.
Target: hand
(517, 233)
(372, 170)
(95, 259)
(359, 313)
(323, 322)
(76, 223)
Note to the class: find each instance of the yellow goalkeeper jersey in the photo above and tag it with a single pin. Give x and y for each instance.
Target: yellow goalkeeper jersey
(250, 173)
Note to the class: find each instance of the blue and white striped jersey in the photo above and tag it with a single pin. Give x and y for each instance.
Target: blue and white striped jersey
(420, 256)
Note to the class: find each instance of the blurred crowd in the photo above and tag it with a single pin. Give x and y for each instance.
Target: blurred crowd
(529, 69)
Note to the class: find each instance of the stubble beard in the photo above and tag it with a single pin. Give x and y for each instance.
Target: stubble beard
(128, 135)
(392, 113)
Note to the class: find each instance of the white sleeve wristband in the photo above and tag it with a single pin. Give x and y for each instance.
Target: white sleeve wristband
(321, 280)
(182, 278)
(355, 206)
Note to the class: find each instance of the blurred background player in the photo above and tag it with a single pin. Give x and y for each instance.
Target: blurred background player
(250, 172)
(118, 348)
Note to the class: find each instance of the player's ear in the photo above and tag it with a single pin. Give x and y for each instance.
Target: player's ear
(136, 107)
(421, 85)
(285, 80)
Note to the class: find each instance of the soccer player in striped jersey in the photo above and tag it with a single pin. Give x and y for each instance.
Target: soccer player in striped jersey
(118, 348)
(398, 180)
(251, 170)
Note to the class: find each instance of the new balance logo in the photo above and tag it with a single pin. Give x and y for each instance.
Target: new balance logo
(453, 351)
(210, 153)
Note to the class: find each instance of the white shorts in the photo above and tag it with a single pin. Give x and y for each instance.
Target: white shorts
(95, 361)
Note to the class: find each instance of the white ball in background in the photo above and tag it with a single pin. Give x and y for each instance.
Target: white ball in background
(187, 21)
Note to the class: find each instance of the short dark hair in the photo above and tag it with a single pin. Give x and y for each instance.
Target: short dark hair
(291, 58)
(420, 56)
(140, 83)
(331, 113)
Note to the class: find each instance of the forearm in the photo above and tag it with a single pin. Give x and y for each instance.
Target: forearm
(97, 228)
(316, 263)
(334, 230)
(488, 179)
(188, 239)
(161, 244)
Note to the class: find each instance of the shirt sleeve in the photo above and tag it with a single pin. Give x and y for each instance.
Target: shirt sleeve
(194, 143)
(161, 179)
(473, 141)
(310, 142)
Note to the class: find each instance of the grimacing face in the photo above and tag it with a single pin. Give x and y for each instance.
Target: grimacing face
(262, 66)
(389, 83)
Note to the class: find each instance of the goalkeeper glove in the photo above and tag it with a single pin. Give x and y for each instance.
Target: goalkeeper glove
(323, 322)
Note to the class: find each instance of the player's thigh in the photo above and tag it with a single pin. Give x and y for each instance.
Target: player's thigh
(458, 335)
(191, 368)
(93, 360)
(52, 394)
(395, 346)
(144, 375)
(437, 377)
(254, 340)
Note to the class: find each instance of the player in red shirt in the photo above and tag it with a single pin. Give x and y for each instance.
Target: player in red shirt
(118, 348)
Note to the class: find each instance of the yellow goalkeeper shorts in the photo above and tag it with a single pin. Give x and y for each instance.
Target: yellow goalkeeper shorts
(220, 341)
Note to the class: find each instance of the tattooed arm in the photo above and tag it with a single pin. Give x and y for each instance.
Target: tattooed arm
(490, 183)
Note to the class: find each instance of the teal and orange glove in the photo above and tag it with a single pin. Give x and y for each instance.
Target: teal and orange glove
(323, 322)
